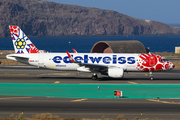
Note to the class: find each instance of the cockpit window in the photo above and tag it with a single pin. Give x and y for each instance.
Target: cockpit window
(163, 60)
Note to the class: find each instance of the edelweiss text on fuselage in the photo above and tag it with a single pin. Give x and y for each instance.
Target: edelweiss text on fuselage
(106, 60)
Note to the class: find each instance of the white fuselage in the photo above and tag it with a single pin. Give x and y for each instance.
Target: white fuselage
(60, 61)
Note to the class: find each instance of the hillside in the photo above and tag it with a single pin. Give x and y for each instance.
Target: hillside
(42, 18)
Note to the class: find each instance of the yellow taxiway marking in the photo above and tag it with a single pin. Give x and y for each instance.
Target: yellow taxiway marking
(172, 102)
(14, 98)
(78, 100)
(146, 74)
(57, 82)
(132, 82)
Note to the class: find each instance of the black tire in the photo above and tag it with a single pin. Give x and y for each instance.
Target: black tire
(94, 77)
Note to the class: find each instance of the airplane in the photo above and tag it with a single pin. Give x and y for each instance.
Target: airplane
(112, 64)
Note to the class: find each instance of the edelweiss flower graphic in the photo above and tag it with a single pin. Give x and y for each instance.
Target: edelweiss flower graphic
(21, 42)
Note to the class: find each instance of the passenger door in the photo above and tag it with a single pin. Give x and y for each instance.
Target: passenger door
(151, 60)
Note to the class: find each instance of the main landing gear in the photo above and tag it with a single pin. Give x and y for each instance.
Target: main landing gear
(94, 76)
(151, 75)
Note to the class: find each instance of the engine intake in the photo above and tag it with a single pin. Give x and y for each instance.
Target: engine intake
(115, 72)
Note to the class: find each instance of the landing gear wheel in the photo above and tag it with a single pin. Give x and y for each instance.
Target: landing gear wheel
(151, 76)
(94, 77)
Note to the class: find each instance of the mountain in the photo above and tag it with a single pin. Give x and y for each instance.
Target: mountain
(42, 18)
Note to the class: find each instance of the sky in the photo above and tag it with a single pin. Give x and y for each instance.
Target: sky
(166, 11)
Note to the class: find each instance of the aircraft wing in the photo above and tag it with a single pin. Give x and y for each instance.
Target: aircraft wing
(87, 64)
(92, 65)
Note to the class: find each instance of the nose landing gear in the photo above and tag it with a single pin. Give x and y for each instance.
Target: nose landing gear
(94, 76)
(151, 76)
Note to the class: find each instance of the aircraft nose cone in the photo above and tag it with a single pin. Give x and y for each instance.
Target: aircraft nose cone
(173, 66)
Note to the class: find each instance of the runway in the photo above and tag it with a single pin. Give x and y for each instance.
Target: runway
(87, 108)
(30, 74)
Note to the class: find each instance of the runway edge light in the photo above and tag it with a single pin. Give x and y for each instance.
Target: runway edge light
(118, 93)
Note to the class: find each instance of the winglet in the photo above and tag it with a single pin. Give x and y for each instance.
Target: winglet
(74, 50)
(70, 57)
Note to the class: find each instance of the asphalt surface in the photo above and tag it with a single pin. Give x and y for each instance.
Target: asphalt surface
(30, 74)
(90, 108)
(87, 108)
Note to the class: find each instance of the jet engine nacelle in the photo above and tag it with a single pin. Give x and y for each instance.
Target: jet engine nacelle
(115, 72)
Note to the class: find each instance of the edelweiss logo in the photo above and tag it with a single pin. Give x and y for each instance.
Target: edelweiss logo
(20, 43)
